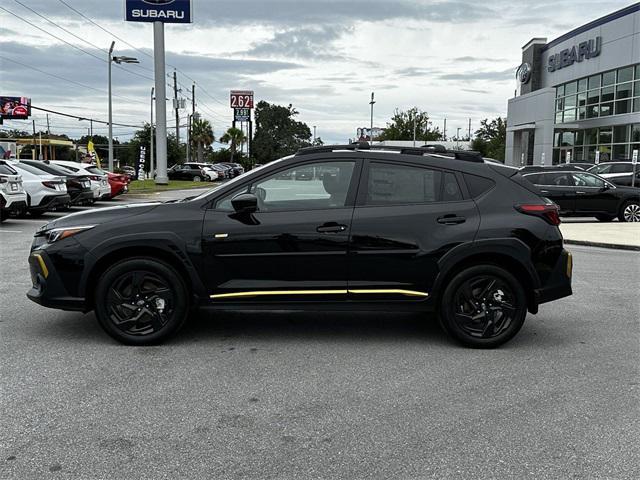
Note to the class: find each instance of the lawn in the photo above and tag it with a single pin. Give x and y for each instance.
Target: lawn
(148, 186)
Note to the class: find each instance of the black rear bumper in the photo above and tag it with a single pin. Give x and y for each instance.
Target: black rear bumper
(82, 196)
(559, 283)
(52, 202)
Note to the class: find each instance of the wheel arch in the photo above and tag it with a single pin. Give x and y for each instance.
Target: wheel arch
(511, 254)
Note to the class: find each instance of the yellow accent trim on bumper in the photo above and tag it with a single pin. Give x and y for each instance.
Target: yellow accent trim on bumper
(43, 266)
(410, 293)
(569, 264)
(261, 293)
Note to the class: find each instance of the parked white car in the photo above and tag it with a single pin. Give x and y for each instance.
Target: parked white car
(45, 192)
(99, 183)
(12, 194)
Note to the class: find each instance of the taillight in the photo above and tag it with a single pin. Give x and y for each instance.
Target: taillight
(50, 184)
(95, 178)
(548, 212)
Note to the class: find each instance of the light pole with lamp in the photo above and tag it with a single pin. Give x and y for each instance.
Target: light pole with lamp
(118, 60)
(151, 135)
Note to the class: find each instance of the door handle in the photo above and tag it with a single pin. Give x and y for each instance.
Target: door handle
(580, 193)
(451, 220)
(544, 191)
(331, 227)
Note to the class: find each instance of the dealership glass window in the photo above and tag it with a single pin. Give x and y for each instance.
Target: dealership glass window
(582, 84)
(557, 138)
(606, 109)
(625, 74)
(620, 152)
(604, 135)
(635, 132)
(582, 113)
(636, 88)
(578, 154)
(637, 71)
(592, 111)
(636, 104)
(623, 106)
(582, 99)
(570, 88)
(579, 137)
(560, 91)
(621, 133)
(559, 117)
(570, 101)
(591, 136)
(560, 104)
(607, 94)
(623, 90)
(570, 115)
(608, 78)
(594, 82)
(593, 96)
(567, 139)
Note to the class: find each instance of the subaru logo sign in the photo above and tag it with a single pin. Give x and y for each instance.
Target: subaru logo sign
(165, 11)
(523, 73)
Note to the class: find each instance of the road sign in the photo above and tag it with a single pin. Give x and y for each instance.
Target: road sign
(241, 114)
(597, 157)
(542, 162)
(634, 158)
(568, 159)
(241, 99)
(165, 11)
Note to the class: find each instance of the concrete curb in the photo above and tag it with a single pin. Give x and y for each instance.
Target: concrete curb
(635, 248)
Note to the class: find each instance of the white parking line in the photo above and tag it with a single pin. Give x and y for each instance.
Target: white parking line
(10, 231)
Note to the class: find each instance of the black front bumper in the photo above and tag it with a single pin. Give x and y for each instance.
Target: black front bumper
(559, 283)
(47, 289)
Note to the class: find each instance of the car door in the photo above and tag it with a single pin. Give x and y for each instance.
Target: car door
(294, 248)
(558, 186)
(406, 217)
(594, 194)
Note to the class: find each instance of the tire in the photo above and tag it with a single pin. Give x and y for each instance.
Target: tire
(3, 215)
(136, 307)
(505, 306)
(197, 178)
(605, 218)
(630, 211)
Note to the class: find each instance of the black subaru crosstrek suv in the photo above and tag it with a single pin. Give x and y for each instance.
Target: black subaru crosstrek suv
(419, 229)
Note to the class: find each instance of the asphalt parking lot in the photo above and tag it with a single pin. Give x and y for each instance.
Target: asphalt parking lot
(289, 395)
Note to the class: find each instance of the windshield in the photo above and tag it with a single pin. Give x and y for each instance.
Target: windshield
(94, 169)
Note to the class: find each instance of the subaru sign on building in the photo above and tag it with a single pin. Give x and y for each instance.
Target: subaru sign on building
(578, 96)
(166, 11)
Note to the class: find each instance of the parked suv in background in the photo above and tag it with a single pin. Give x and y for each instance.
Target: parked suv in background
(620, 173)
(44, 192)
(187, 171)
(586, 194)
(12, 195)
(413, 229)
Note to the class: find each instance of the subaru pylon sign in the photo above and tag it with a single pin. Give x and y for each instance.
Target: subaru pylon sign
(166, 11)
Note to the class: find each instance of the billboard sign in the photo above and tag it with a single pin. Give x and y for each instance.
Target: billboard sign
(241, 99)
(166, 11)
(15, 108)
(241, 114)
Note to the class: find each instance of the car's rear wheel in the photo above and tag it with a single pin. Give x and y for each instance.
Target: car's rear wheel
(197, 178)
(630, 211)
(605, 218)
(483, 306)
(141, 301)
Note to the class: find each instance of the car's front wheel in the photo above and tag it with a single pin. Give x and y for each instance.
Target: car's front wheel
(141, 301)
(630, 211)
(197, 178)
(483, 306)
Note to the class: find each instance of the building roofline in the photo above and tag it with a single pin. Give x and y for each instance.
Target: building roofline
(533, 41)
(595, 23)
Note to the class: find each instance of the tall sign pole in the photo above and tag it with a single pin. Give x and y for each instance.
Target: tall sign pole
(159, 13)
(161, 104)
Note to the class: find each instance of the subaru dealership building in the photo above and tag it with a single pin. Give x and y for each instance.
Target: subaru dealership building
(578, 96)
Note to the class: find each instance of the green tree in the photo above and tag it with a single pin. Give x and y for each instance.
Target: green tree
(234, 137)
(491, 138)
(201, 136)
(403, 124)
(278, 133)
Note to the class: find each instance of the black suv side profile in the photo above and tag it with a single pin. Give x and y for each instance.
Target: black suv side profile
(415, 229)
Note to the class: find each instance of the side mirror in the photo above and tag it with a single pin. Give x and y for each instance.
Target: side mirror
(245, 203)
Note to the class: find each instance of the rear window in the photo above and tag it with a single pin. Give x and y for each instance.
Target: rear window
(7, 170)
(478, 185)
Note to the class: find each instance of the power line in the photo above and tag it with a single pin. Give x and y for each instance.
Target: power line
(72, 45)
(68, 80)
(82, 118)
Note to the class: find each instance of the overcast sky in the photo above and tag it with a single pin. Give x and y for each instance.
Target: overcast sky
(454, 59)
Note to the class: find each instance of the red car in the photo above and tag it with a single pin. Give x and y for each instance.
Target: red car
(118, 182)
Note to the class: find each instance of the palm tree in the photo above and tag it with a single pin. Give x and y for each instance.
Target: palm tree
(201, 135)
(233, 136)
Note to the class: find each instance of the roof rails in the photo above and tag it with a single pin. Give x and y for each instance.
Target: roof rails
(466, 155)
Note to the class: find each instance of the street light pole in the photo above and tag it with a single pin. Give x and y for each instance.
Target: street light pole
(151, 168)
(113, 44)
(372, 103)
(314, 134)
(161, 108)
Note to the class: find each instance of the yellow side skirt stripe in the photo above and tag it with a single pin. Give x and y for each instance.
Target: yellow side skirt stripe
(261, 293)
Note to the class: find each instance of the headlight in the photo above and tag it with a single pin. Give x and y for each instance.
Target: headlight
(61, 233)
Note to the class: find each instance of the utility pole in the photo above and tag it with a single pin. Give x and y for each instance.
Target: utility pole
(177, 105)
(33, 152)
(49, 137)
(444, 131)
(372, 103)
(109, 60)
(469, 129)
(193, 98)
(151, 169)
(414, 130)
(314, 134)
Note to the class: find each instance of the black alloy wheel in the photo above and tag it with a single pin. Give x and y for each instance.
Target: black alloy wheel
(483, 306)
(141, 301)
